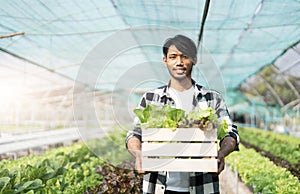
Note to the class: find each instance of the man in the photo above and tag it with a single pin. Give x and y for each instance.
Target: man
(180, 55)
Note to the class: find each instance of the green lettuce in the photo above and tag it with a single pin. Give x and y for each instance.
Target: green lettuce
(153, 116)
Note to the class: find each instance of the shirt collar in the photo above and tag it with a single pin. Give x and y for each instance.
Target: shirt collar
(198, 90)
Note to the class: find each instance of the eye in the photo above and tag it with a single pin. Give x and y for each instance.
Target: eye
(172, 56)
(185, 57)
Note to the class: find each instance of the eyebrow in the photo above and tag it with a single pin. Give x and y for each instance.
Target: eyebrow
(177, 54)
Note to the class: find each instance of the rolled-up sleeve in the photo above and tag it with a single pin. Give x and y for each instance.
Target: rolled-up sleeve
(135, 131)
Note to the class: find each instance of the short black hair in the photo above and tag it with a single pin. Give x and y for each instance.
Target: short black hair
(183, 44)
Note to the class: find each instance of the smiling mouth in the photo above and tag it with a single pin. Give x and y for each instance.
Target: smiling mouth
(180, 71)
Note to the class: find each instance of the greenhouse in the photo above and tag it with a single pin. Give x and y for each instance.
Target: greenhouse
(72, 72)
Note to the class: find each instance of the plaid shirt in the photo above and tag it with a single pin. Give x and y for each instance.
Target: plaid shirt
(200, 182)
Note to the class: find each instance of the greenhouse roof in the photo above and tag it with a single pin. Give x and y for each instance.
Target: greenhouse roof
(112, 44)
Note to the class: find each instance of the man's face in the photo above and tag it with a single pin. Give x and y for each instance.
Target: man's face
(179, 65)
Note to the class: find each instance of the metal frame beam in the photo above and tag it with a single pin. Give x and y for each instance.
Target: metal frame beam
(269, 86)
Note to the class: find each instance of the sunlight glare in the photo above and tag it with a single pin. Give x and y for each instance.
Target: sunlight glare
(10, 93)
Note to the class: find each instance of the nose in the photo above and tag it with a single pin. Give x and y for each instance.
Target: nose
(179, 60)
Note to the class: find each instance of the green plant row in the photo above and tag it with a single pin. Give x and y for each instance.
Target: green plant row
(280, 145)
(273, 135)
(69, 169)
(262, 174)
(112, 148)
(59, 171)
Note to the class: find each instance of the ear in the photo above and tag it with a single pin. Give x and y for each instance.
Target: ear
(195, 60)
(165, 60)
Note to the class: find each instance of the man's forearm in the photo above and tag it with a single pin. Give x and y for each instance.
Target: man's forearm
(228, 145)
(134, 146)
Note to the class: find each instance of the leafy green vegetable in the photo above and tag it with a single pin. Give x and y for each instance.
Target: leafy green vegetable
(281, 145)
(261, 173)
(173, 114)
(3, 182)
(222, 129)
(67, 169)
(198, 115)
(205, 115)
(154, 116)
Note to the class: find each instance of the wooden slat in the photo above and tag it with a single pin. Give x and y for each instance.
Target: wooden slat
(180, 165)
(180, 149)
(184, 142)
(180, 134)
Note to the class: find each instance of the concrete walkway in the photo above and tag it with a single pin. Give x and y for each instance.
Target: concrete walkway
(230, 183)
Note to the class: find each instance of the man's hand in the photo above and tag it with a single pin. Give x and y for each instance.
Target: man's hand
(221, 162)
(138, 163)
(227, 146)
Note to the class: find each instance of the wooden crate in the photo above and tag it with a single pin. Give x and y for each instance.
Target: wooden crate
(183, 150)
